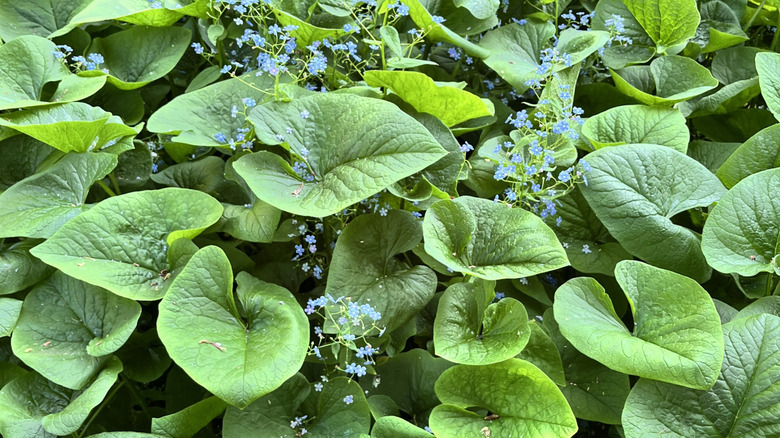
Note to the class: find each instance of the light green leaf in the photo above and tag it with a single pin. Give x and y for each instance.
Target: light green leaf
(513, 50)
(39, 205)
(441, 32)
(67, 328)
(668, 80)
(255, 222)
(741, 233)
(70, 127)
(121, 243)
(770, 304)
(490, 241)
(306, 33)
(676, 338)
(759, 152)
(395, 427)
(542, 352)
(711, 154)
(642, 47)
(28, 65)
(579, 44)
(196, 117)
(140, 54)
(768, 67)
(355, 147)
(527, 402)
(138, 12)
(9, 314)
(479, 8)
(451, 105)
(31, 406)
(237, 359)
(364, 267)
(638, 124)
(667, 22)
(18, 269)
(16, 18)
(635, 190)
(408, 379)
(470, 330)
(189, 421)
(745, 401)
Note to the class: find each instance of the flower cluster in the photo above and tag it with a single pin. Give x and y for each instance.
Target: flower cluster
(240, 138)
(78, 63)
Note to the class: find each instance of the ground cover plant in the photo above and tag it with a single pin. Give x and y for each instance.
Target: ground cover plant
(389, 218)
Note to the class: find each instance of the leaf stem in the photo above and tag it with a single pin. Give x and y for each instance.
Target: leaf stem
(99, 408)
(106, 188)
(754, 16)
(114, 183)
(136, 396)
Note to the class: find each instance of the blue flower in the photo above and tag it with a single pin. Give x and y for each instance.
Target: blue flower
(453, 53)
(438, 19)
(304, 114)
(274, 29)
(348, 399)
(466, 147)
(585, 166)
(220, 137)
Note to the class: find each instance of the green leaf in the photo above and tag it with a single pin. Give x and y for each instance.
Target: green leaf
(768, 67)
(635, 190)
(542, 352)
(70, 127)
(355, 147)
(743, 403)
(121, 243)
(395, 427)
(144, 357)
(136, 12)
(255, 222)
(189, 421)
(759, 152)
(667, 81)
(769, 305)
(676, 338)
(196, 117)
(67, 328)
(490, 241)
(470, 330)
(451, 105)
(9, 314)
(408, 379)
(638, 124)
(364, 267)
(20, 157)
(16, 18)
(642, 47)
(594, 392)
(579, 44)
(527, 402)
(440, 32)
(741, 233)
(18, 269)
(237, 359)
(306, 33)
(140, 54)
(667, 22)
(31, 406)
(39, 205)
(479, 8)
(513, 50)
(711, 154)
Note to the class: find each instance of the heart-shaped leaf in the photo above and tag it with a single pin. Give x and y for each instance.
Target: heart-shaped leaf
(759, 152)
(237, 359)
(121, 244)
(638, 124)
(514, 50)
(668, 80)
(677, 336)
(667, 22)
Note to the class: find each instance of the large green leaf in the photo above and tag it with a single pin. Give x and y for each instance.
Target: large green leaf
(470, 330)
(677, 336)
(18, 268)
(121, 243)
(9, 314)
(67, 328)
(594, 392)
(638, 124)
(238, 359)
(768, 67)
(355, 147)
(759, 152)
(635, 190)
(526, 401)
(489, 240)
(745, 401)
(542, 352)
(423, 18)
(514, 50)
(642, 47)
(364, 267)
(29, 64)
(70, 127)
(189, 421)
(479, 8)
(395, 427)
(140, 54)
(667, 22)
(136, 12)
(39, 205)
(16, 18)
(31, 406)
(408, 379)
(450, 104)
(198, 116)
(741, 233)
(666, 81)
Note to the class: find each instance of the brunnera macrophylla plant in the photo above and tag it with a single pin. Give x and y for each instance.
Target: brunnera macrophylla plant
(389, 218)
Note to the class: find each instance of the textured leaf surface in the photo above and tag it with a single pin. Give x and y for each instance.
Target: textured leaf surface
(364, 267)
(677, 336)
(741, 233)
(636, 189)
(490, 241)
(121, 243)
(668, 80)
(18, 268)
(189, 421)
(638, 124)
(768, 67)
(759, 152)
(237, 359)
(745, 401)
(9, 314)
(527, 401)
(668, 22)
(514, 50)
(67, 328)
(356, 146)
